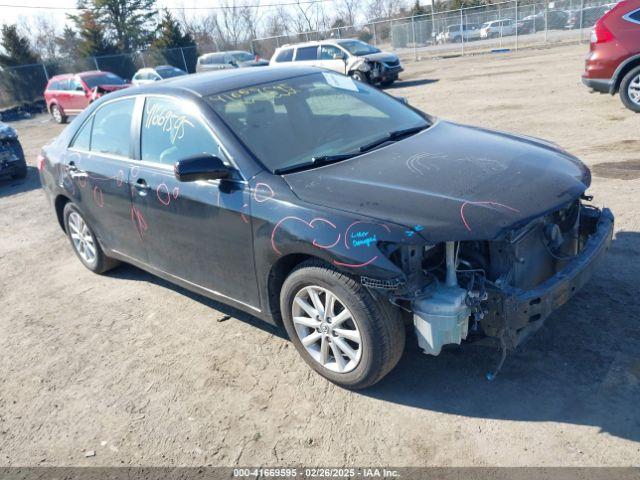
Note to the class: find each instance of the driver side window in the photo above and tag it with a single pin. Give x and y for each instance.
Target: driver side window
(329, 52)
(172, 131)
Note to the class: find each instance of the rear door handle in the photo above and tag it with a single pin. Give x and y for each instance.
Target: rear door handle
(142, 186)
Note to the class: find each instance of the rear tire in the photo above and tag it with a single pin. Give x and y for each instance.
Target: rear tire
(630, 90)
(58, 114)
(84, 242)
(376, 325)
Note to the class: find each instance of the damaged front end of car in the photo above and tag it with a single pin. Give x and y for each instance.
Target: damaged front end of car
(501, 289)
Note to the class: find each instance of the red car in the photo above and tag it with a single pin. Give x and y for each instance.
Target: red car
(613, 63)
(71, 93)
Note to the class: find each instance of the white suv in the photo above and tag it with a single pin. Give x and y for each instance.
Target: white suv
(498, 28)
(352, 57)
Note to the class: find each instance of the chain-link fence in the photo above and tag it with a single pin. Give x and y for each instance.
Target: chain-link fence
(499, 26)
(506, 25)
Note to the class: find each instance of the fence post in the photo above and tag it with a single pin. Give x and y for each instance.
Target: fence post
(517, 25)
(46, 74)
(581, 20)
(433, 24)
(461, 31)
(144, 64)
(375, 38)
(546, 21)
(413, 29)
(184, 60)
(95, 60)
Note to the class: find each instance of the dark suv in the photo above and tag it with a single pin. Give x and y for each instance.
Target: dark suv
(613, 63)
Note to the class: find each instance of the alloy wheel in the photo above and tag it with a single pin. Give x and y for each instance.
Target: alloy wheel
(327, 329)
(634, 90)
(57, 114)
(82, 238)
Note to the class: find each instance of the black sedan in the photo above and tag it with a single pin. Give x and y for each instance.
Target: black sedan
(311, 200)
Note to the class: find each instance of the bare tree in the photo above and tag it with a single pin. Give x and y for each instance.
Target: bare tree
(42, 31)
(349, 11)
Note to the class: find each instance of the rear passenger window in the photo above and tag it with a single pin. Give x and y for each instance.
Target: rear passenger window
(83, 137)
(172, 131)
(112, 128)
(635, 16)
(285, 55)
(306, 53)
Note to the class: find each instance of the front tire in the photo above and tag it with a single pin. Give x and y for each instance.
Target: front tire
(84, 242)
(630, 90)
(360, 76)
(338, 328)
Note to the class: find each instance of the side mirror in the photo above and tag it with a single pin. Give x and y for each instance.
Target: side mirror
(200, 167)
(404, 100)
(79, 88)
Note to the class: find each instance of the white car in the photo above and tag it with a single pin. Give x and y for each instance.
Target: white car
(349, 56)
(456, 33)
(145, 76)
(498, 28)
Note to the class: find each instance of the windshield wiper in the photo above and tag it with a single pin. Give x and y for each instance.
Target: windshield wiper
(316, 161)
(392, 136)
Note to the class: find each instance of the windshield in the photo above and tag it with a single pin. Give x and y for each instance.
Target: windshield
(296, 120)
(357, 48)
(93, 81)
(242, 56)
(168, 72)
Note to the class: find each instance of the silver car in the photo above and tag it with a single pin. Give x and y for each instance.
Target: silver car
(231, 59)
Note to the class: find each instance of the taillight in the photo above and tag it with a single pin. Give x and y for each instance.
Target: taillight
(257, 58)
(600, 33)
(41, 161)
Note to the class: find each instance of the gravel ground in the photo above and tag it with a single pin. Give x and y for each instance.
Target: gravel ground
(143, 373)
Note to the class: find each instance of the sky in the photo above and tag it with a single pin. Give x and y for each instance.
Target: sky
(27, 8)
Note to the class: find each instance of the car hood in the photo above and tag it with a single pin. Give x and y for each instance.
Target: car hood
(450, 182)
(381, 57)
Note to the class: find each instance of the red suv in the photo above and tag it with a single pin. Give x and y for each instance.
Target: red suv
(70, 93)
(613, 63)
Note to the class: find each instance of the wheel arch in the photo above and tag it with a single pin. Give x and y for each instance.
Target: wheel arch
(623, 69)
(278, 273)
(59, 204)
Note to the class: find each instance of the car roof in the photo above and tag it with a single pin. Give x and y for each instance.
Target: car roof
(311, 43)
(218, 81)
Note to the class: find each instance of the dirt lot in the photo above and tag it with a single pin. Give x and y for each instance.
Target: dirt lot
(142, 372)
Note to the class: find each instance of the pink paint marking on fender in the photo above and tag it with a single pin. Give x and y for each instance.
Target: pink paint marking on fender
(120, 178)
(176, 192)
(268, 193)
(309, 224)
(356, 265)
(98, 197)
(165, 189)
(82, 181)
(135, 170)
(464, 204)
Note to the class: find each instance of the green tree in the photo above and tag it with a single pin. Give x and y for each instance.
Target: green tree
(24, 83)
(68, 42)
(418, 10)
(170, 34)
(172, 46)
(92, 36)
(17, 49)
(128, 24)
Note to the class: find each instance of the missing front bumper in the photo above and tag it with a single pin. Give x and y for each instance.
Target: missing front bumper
(515, 313)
